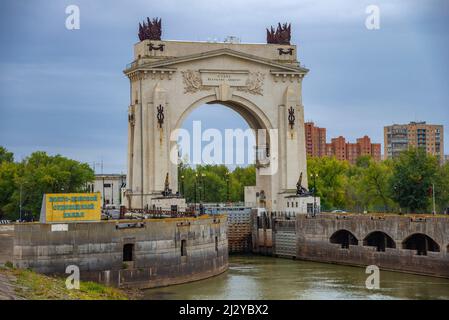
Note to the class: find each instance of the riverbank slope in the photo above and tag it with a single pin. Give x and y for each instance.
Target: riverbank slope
(21, 284)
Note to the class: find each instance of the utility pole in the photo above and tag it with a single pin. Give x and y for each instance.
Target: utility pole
(196, 185)
(103, 190)
(203, 176)
(182, 186)
(227, 186)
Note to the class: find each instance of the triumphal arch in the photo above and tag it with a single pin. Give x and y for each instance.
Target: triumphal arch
(260, 81)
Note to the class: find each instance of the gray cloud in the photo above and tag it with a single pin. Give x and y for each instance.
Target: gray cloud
(64, 91)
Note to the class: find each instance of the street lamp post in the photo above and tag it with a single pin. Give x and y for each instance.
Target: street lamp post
(203, 176)
(196, 185)
(227, 186)
(182, 186)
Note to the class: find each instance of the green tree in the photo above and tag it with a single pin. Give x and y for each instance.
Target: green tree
(412, 178)
(331, 181)
(39, 174)
(442, 188)
(5, 155)
(372, 184)
(214, 180)
(357, 199)
(8, 176)
(242, 177)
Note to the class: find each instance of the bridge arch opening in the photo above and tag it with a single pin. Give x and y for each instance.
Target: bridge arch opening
(421, 243)
(220, 134)
(344, 238)
(215, 126)
(380, 240)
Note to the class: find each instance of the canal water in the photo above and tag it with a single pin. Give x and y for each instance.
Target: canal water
(257, 277)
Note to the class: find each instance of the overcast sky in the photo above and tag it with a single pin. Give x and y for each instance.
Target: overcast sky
(64, 91)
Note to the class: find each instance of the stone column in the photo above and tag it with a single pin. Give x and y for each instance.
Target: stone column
(302, 154)
(131, 122)
(291, 137)
(282, 159)
(160, 135)
(137, 158)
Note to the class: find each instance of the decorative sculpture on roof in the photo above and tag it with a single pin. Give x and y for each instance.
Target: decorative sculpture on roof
(281, 35)
(151, 30)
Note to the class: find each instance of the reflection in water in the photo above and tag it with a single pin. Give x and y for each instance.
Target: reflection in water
(256, 277)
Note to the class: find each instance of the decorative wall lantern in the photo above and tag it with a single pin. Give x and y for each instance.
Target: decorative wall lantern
(160, 115)
(291, 117)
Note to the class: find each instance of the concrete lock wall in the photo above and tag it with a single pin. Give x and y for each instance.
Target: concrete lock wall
(313, 242)
(309, 238)
(161, 251)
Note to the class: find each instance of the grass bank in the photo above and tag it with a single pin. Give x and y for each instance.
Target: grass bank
(30, 285)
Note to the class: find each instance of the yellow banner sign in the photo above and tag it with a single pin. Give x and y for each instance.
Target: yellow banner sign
(66, 207)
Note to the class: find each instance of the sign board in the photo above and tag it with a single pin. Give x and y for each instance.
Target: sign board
(232, 78)
(70, 207)
(59, 227)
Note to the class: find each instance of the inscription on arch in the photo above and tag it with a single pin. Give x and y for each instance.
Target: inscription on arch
(203, 80)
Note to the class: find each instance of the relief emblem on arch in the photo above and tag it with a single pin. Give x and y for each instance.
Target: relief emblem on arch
(198, 80)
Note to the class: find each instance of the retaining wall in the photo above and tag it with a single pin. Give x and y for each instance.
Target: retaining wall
(164, 251)
(309, 238)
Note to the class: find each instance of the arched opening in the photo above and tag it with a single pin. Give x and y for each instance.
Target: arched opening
(128, 252)
(344, 238)
(421, 243)
(380, 240)
(219, 158)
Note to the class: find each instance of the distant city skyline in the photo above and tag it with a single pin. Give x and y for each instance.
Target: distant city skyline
(63, 91)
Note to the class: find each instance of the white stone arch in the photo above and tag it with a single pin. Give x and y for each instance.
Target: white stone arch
(261, 82)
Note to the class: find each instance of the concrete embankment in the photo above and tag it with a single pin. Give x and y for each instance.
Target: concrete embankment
(133, 253)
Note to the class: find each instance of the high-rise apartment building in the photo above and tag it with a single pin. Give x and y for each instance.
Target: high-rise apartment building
(315, 140)
(343, 150)
(316, 145)
(399, 137)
